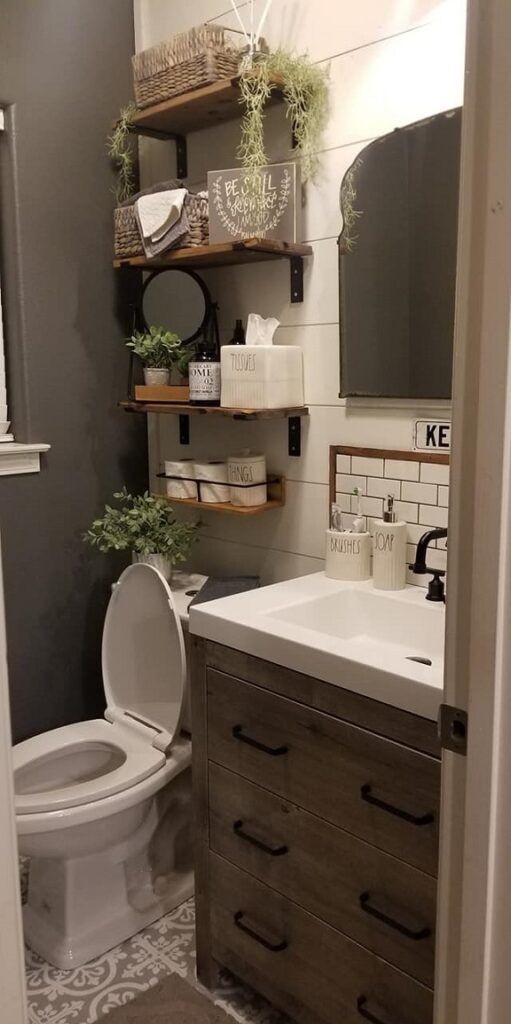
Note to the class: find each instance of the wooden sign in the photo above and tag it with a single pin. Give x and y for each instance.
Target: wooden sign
(432, 436)
(268, 210)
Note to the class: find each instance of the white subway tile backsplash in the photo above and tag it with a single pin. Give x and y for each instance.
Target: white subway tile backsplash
(369, 506)
(432, 515)
(433, 473)
(346, 483)
(443, 496)
(344, 463)
(414, 533)
(403, 469)
(343, 501)
(426, 493)
(406, 510)
(379, 488)
(367, 466)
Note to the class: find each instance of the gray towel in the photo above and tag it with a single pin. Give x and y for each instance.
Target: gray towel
(216, 587)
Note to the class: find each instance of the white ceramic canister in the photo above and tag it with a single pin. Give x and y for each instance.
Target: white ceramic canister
(181, 488)
(348, 555)
(247, 477)
(212, 483)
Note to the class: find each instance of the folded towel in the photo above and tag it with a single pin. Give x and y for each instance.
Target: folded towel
(162, 220)
(216, 587)
(158, 212)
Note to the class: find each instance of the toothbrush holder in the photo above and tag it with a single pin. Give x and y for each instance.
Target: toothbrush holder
(348, 555)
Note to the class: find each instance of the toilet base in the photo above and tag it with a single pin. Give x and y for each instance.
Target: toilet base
(79, 907)
(67, 951)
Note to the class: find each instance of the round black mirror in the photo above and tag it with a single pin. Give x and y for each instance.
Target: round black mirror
(177, 300)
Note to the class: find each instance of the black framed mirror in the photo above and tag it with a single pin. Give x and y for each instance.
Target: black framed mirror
(176, 299)
(397, 262)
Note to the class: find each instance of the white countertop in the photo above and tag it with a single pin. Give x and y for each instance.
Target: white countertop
(353, 636)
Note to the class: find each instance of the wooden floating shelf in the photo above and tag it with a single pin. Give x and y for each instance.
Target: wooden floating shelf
(223, 254)
(276, 499)
(177, 409)
(199, 108)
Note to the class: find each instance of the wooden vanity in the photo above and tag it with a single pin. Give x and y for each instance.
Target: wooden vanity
(316, 846)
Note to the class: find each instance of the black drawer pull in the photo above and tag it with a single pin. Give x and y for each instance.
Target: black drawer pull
(423, 819)
(422, 933)
(274, 851)
(274, 947)
(364, 1012)
(237, 731)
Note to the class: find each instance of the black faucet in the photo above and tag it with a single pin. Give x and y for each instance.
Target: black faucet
(436, 588)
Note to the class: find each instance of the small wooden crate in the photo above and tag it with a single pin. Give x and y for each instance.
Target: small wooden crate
(179, 393)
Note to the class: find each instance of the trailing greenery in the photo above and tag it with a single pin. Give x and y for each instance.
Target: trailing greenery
(305, 89)
(161, 349)
(350, 215)
(144, 524)
(121, 151)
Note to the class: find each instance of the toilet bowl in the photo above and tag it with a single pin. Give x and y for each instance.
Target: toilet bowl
(103, 808)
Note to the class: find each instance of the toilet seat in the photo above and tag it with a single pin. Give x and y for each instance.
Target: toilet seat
(144, 676)
(114, 758)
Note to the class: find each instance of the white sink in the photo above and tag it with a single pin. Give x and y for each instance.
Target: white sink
(369, 619)
(346, 633)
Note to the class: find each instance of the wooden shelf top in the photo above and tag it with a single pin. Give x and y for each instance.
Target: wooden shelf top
(234, 510)
(177, 409)
(199, 108)
(276, 499)
(223, 254)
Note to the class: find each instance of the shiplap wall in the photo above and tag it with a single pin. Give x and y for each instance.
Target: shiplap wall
(391, 62)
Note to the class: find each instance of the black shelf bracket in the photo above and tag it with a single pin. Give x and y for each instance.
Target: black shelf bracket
(184, 429)
(181, 146)
(294, 435)
(296, 283)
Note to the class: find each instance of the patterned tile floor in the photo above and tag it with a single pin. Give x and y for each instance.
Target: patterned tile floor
(87, 994)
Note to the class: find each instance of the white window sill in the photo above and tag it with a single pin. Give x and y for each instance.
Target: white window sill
(20, 458)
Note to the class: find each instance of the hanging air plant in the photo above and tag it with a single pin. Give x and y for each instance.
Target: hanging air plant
(121, 151)
(305, 89)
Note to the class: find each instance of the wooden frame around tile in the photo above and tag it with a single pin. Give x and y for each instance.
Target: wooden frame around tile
(378, 453)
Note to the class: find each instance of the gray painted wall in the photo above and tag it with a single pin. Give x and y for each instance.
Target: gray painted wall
(65, 72)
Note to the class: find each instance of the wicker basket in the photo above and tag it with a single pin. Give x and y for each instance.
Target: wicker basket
(127, 236)
(187, 61)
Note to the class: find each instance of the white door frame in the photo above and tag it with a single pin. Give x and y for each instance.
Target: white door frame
(473, 984)
(12, 971)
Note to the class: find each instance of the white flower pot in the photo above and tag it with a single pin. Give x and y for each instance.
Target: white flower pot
(156, 377)
(164, 565)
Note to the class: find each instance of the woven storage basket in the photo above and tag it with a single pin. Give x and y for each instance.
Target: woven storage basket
(127, 236)
(187, 61)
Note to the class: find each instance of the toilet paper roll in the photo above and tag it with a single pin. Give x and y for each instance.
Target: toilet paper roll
(176, 488)
(214, 486)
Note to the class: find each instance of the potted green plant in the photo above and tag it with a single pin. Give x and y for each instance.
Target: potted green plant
(161, 351)
(145, 525)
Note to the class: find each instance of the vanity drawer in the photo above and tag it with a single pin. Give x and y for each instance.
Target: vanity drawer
(305, 967)
(375, 788)
(374, 898)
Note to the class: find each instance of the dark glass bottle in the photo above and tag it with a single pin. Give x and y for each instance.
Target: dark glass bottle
(204, 369)
(239, 334)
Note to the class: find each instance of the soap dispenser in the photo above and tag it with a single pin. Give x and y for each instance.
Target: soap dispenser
(389, 550)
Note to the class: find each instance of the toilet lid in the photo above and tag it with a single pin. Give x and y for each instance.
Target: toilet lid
(143, 654)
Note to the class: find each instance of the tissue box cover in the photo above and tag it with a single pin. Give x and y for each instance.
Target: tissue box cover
(261, 376)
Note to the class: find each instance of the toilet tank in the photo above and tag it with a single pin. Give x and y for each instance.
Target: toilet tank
(184, 585)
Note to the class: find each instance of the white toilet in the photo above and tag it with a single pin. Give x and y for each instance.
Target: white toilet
(103, 808)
